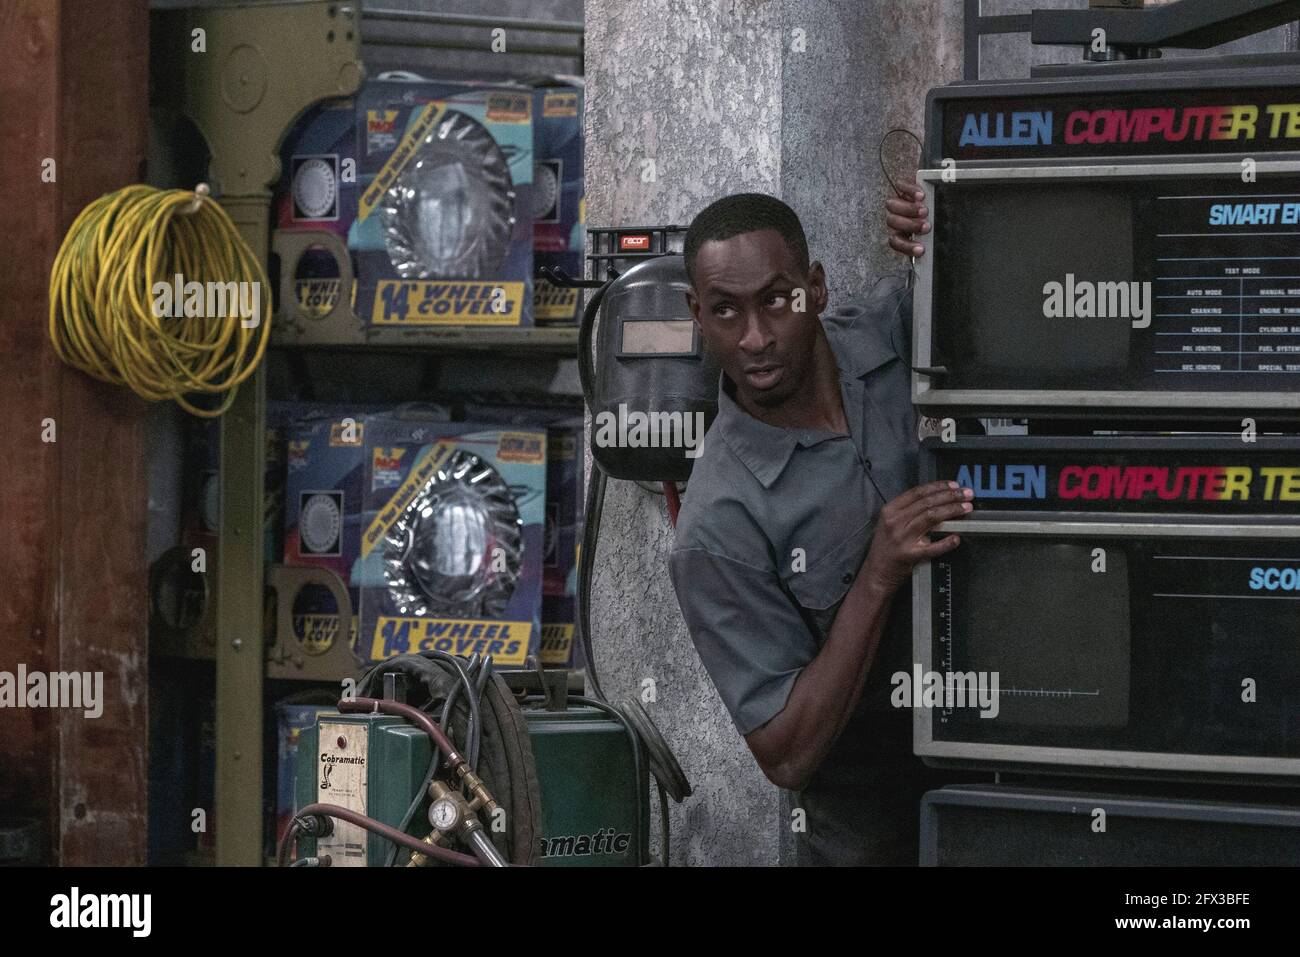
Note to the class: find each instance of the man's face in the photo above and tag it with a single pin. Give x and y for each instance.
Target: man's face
(745, 297)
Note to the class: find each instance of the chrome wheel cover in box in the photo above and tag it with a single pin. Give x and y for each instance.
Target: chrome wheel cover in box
(451, 212)
(457, 548)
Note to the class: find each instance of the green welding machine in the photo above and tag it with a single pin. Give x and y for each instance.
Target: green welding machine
(541, 776)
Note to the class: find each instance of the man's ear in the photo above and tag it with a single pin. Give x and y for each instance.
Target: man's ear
(693, 304)
(817, 294)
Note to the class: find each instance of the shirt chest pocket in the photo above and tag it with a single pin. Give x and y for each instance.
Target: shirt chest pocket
(820, 581)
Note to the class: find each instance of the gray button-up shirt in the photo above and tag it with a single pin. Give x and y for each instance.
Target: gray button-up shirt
(773, 528)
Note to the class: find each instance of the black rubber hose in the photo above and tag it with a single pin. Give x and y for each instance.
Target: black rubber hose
(664, 849)
(587, 569)
(418, 798)
(436, 759)
(474, 730)
(480, 684)
(668, 774)
(463, 672)
(417, 717)
(424, 663)
(499, 751)
(595, 493)
(586, 365)
(663, 763)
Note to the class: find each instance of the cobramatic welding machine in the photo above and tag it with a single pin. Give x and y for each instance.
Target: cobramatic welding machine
(542, 778)
(1115, 262)
(439, 759)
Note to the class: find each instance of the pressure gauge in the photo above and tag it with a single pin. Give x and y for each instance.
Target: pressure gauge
(444, 814)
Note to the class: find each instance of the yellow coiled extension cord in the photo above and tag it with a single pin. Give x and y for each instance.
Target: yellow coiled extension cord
(102, 315)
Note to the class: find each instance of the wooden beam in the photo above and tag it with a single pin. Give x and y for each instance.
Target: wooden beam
(73, 89)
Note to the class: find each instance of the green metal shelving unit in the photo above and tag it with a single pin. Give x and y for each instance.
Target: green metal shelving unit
(258, 67)
(243, 73)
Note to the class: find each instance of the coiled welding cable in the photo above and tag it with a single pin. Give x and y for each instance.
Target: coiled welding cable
(670, 779)
(108, 316)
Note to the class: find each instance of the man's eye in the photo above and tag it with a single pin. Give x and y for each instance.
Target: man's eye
(723, 310)
(777, 299)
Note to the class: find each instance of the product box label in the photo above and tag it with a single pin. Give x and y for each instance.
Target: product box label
(423, 302)
(443, 229)
(452, 549)
(324, 494)
(563, 518)
(557, 645)
(505, 641)
(318, 189)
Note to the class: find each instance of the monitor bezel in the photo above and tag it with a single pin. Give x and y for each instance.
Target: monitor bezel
(1037, 402)
(1065, 759)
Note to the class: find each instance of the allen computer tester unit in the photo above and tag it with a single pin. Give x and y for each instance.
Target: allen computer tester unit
(1115, 261)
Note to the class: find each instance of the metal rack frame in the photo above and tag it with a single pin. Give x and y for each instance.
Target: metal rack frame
(1053, 23)
(264, 65)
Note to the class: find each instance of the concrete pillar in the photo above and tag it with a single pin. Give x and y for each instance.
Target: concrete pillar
(687, 101)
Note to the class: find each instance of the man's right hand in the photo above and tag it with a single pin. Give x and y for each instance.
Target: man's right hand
(902, 537)
(906, 217)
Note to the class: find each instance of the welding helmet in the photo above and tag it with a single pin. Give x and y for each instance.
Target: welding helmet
(654, 387)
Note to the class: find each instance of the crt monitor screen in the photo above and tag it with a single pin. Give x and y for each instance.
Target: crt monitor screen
(996, 248)
(1167, 645)
(1056, 666)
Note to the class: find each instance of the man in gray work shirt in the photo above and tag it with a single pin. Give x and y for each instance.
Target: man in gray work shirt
(801, 525)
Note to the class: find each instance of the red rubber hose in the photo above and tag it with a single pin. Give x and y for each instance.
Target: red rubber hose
(674, 502)
(414, 715)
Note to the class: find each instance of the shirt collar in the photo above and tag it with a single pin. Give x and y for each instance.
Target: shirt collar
(766, 449)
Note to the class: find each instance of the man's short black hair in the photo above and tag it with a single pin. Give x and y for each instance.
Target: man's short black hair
(745, 213)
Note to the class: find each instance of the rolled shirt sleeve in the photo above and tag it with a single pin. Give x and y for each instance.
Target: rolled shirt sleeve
(748, 633)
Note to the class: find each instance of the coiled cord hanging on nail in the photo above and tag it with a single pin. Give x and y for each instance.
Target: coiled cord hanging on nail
(104, 315)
